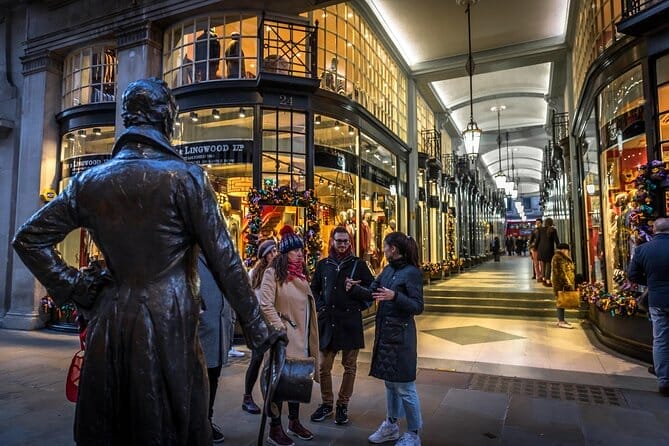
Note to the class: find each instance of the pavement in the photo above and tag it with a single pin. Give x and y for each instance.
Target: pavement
(459, 408)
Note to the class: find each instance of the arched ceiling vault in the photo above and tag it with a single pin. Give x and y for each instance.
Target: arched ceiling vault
(519, 50)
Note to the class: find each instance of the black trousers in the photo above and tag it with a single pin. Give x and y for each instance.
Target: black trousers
(213, 373)
(293, 413)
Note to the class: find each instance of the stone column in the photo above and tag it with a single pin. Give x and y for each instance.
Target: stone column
(36, 171)
(412, 133)
(139, 56)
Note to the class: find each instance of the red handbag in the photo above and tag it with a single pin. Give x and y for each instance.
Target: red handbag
(74, 372)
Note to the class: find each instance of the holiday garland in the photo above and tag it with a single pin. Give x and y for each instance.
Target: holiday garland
(623, 301)
(282, 196)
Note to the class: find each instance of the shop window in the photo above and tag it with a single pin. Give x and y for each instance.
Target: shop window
(80, 150)
(622, 137)
(353, 62)
(336, 175)
(592, 203)
(662, 70)
(89, 76)
(284, 148)
(378, 200)
(211, 48)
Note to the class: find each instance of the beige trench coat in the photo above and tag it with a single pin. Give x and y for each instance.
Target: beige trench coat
(294, 301)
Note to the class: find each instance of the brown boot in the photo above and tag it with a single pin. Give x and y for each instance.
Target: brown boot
(278, 437)
(301, 432)
(248, 405)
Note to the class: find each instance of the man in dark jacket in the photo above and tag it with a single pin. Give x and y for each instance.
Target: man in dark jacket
(147, 209)
(339, 321)
(650, 266)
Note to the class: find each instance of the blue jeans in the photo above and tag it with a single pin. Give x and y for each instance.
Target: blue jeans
(660, 318)
(402, 400)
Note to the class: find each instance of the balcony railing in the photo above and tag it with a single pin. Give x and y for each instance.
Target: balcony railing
(287, 47)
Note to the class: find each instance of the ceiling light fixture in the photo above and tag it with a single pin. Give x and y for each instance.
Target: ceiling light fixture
(216, 114)
(97, 131)
(193, 116)
(81, 133)
(242, 113)
(336, 125)
(472, 135)
(317, 120)
(500, 178)
(509, 183)
(351, 131)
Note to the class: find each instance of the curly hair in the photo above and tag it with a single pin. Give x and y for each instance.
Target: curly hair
(280, 265)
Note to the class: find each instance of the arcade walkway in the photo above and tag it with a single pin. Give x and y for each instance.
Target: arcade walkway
(483, 380)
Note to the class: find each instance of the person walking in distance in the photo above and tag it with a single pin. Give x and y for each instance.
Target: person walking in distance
(563, 279)
(266, 253)
(339, 321)
(214, 334)
(547, 240)
(287, 302)
(650, 267)
(399, 293)
(144, 380)
(536, 264)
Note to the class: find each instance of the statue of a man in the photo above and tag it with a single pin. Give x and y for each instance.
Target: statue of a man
(144, 380)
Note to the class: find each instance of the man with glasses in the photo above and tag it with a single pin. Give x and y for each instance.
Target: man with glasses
(339, 321)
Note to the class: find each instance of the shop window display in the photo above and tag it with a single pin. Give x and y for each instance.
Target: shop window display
(662, 73)
(89, 76)
(80, 150)
(378, 200)
(592, 203)
(336, 175)
(624, 151)
(221, 141)
(211, 48)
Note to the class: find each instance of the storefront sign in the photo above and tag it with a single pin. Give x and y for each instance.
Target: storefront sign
(625, 126)
(217, 152)
(376, 175)
(72, 166)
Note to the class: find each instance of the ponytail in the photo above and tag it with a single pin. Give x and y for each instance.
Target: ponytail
(406, 245)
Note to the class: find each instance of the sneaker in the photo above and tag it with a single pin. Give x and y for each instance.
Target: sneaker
(277, 437)
(341, 415)
(301, 432)
(217, 434)
(386, 432)
(409, 439)
(234, 353)
(323, 411)
(250, 406)
(564, 324)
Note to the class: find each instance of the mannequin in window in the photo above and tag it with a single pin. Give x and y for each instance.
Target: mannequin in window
(207, 53)
(350, 225)
(234, 58)
(366, 236)
(622, 252)
(232, 221)
(331, 79)
(392, 227)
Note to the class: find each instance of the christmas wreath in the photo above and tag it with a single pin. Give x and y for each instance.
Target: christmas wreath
(282, 196)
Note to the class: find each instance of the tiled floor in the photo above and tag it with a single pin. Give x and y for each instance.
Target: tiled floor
(529, 348)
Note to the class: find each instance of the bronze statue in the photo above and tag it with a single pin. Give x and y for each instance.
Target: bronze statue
(144, 380)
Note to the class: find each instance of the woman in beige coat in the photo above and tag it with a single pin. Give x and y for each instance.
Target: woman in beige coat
(286, 301)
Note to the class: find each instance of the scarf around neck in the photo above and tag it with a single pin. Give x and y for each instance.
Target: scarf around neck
(296, 270)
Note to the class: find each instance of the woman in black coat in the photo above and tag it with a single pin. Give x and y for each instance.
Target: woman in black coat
(399, 293)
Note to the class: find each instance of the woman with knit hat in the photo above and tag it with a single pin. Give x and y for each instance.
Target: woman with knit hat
(266, 253)
(287, 302)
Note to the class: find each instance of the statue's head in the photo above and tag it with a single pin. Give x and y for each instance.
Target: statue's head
(149, 102)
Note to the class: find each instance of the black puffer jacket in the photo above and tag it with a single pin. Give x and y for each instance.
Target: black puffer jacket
(395, 351)
(339, 313)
